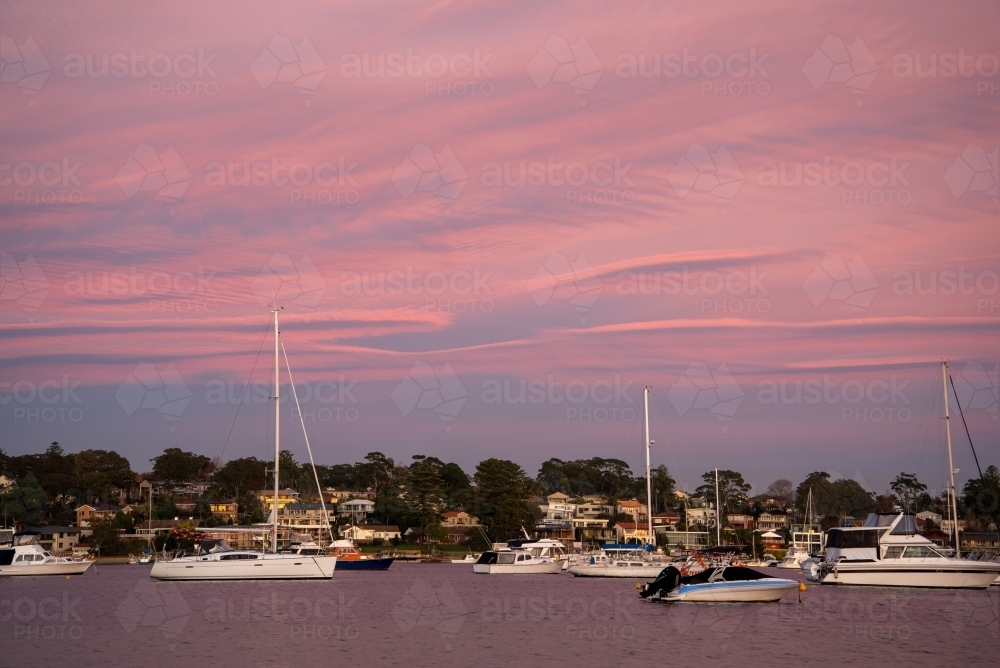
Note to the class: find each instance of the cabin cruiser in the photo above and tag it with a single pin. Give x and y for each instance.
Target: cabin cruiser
(719, 584)
(515, 561)
(21, 554)
(215, 560)
(350, 558)
(470, 558)
(888, 551)
(619, 561)
(795, 557)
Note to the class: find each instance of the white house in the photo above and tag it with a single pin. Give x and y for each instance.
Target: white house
(357, 509)
(925, 515)
(367, 533)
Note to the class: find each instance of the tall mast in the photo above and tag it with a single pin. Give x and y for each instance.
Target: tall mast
(649, 480)
(277, 431)
(951, 465)
(718, 512)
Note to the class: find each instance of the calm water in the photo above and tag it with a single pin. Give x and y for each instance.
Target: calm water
(442, 614)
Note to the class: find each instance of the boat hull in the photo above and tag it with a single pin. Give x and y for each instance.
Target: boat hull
(64, 568)
(514, 569)
(931, 576)
(280, 568)
(379, 564)
(601, 571)
(750, 591)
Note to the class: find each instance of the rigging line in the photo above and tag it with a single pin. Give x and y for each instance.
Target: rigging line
(663, 433)
(298, 409)
(246, 389)
(962, 413)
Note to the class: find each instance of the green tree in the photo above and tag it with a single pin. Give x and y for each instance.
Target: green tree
(176, 466)
(376, 472)
(982, 495)
(833, 501)
(733, 490)
(100, 473)
(107, 536)
(663, 487)
(25, 501)
(907, 487)
(424, 488)
(783, 489)
(502, 489)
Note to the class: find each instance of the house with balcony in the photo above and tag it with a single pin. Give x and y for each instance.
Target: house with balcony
(772, 520)
(631, 532)
(356, 509)
(58, 539)
(226, 510)
(703, 516)
(457, 524)
(634, 509)
(741, 521)
(285, 496)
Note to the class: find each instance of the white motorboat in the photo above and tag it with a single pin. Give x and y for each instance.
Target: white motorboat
(21, 554)
(805, 543)
(721, 584)
(794, 558)
(619, 561)
(515, 561)
(888, 551)
(216, 560)
(469, 559)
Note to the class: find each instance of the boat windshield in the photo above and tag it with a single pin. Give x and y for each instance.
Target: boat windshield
(852, 538)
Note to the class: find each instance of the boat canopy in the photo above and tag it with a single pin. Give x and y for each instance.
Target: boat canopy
(213, 546)
(853, 538)
(627, 547)
(27, 538)
(907, 523)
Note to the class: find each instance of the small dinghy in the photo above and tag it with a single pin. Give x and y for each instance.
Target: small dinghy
(721, 584)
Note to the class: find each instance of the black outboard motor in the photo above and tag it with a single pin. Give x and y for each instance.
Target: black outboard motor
(668, 580)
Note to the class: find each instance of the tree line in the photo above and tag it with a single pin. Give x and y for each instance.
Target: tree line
(46, 488)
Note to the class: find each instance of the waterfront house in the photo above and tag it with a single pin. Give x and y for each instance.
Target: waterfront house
(305, 517)
(58, 539)
(285, 496)
(741, 521)
(631, 532)
(226, 510)
(557, 508)
(356, 509)
(457, 524)
(772, 520)
(368, 533)
(665, 521)
(703, 516)
(88, 513)
(925, 515)
(635, 509)
(772, 540)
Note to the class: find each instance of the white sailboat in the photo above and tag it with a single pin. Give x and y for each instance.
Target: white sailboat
(627, 561)
(216, 560)
(888, 551)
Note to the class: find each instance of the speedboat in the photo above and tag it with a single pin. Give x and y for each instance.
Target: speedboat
(216, 560)
(888, 551)
(720, 584)
(468, 559)
(350, 558)
(21, 554)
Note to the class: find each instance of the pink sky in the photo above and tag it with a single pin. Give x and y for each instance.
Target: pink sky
(660, 230)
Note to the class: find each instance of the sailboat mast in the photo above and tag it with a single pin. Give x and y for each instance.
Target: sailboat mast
(718, 512)
(649, 480)
(951, 465)
(277, 432)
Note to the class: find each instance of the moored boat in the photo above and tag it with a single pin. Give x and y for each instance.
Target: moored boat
(514, 561)
(22, 555)
(720, 584)
(350, 558)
